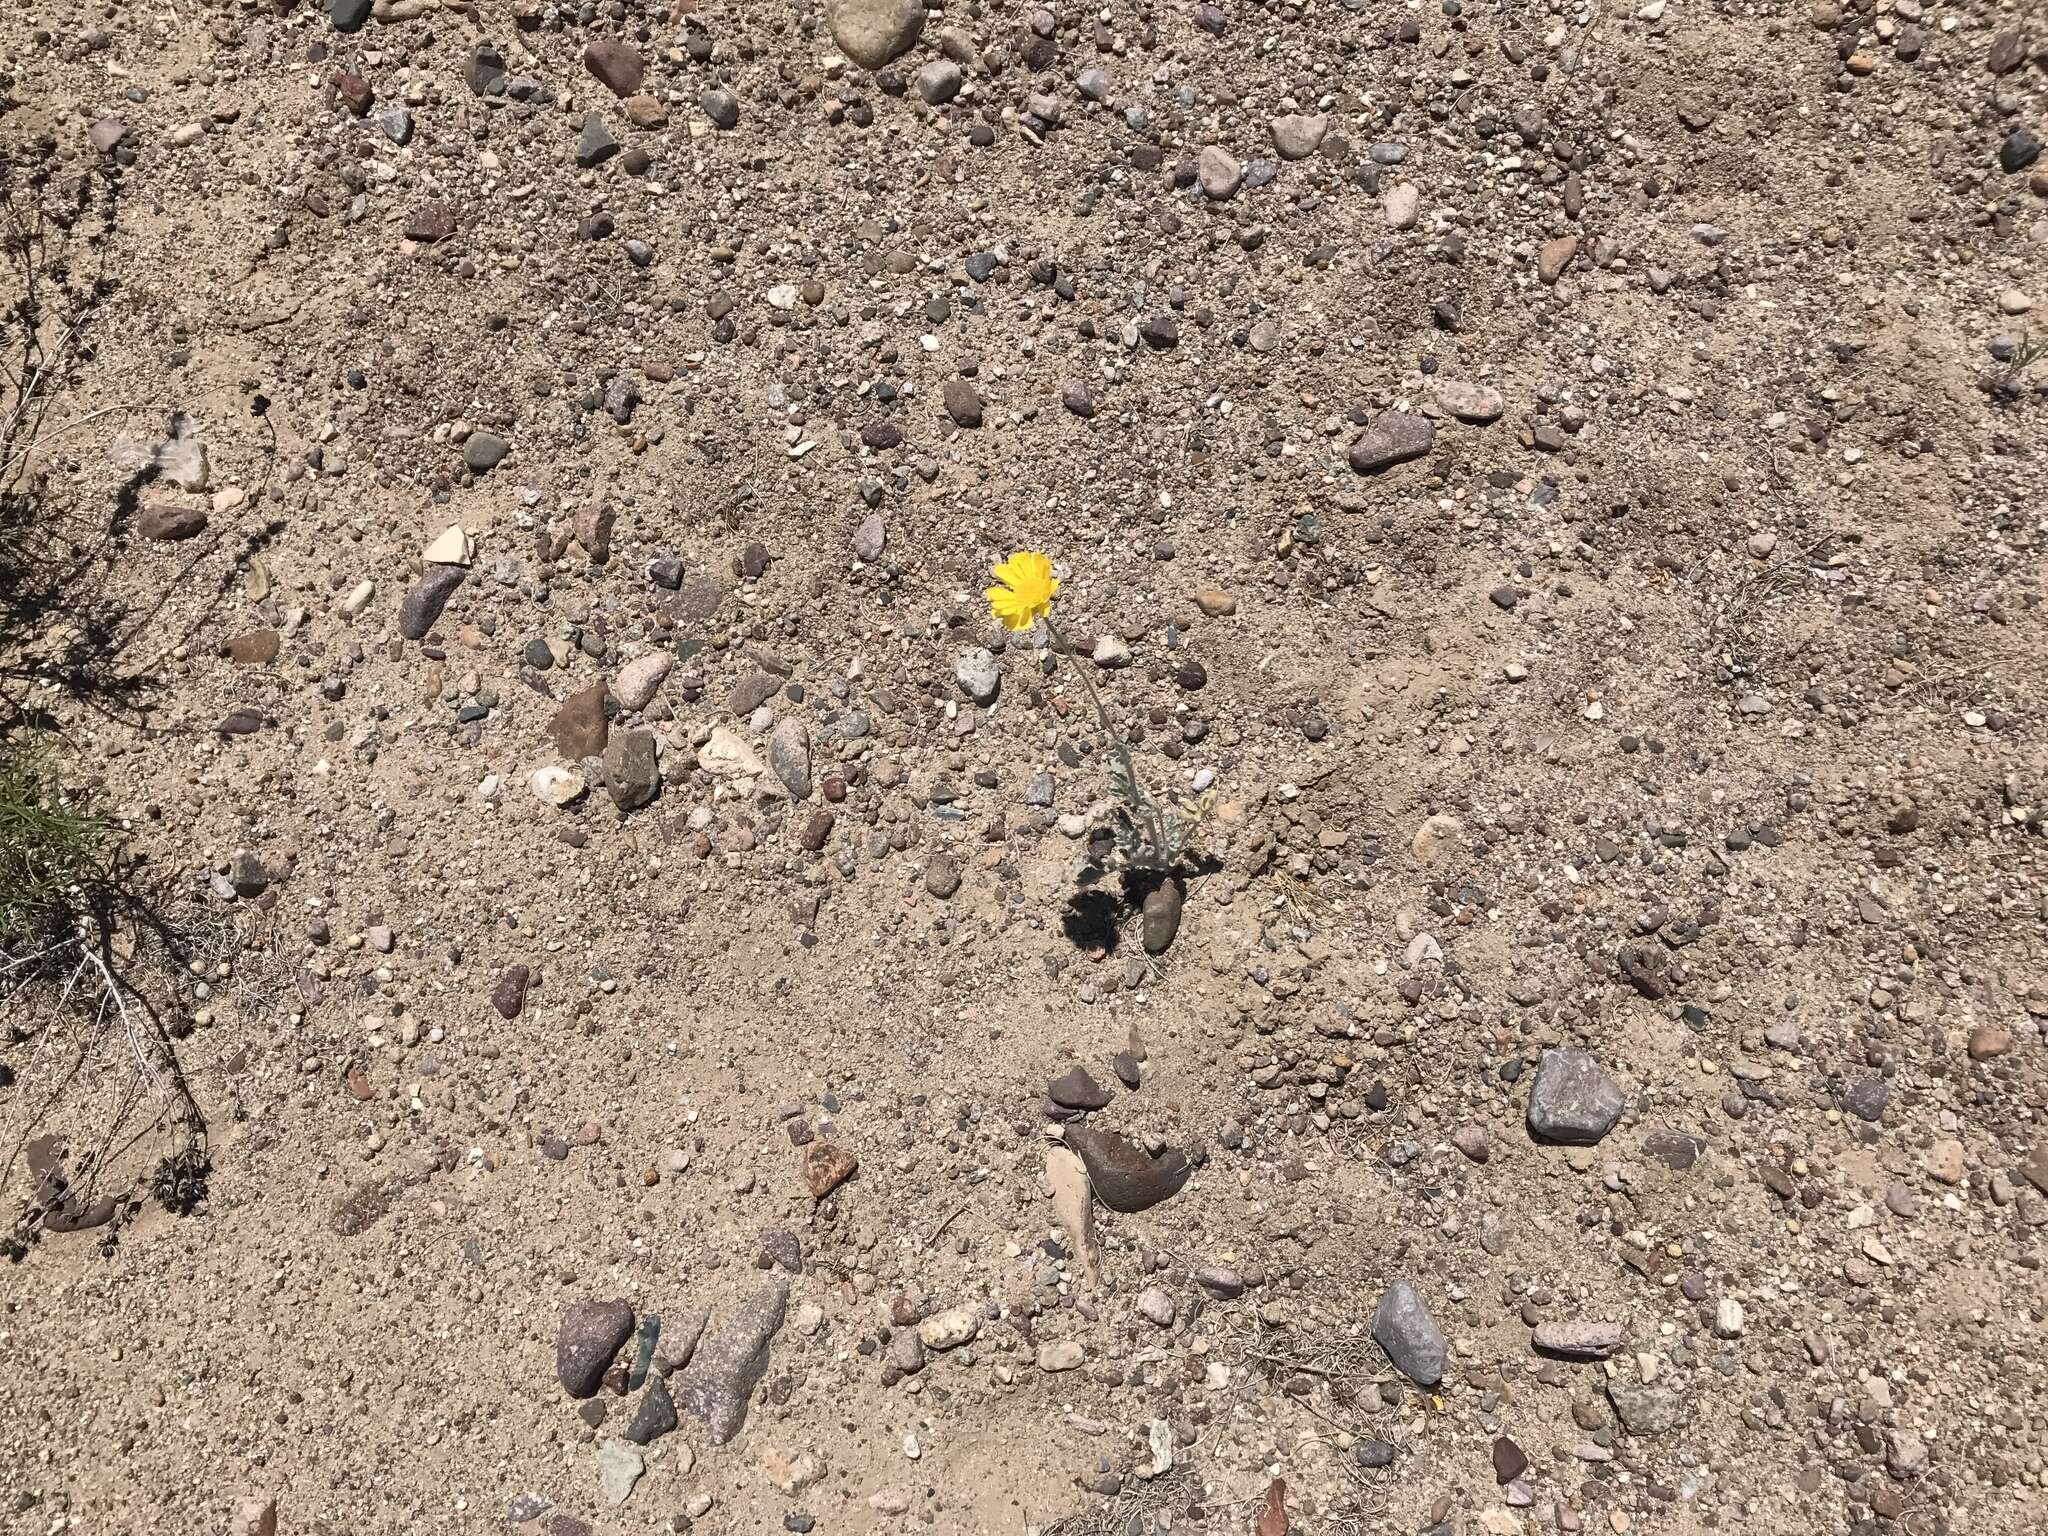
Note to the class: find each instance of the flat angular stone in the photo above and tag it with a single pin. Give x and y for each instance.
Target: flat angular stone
(1076, 1088)
(789, 754)
(425, 598)
(826, 1166)
(258, 648)
(1586, 1340)
(1395, 438)
(1403, 1327)
(654, 1415)
(595, 144)
(167, 523)
(754, 690)
(579, 726)
(1647, 1410)
(430, 223)
(1125, 1177)
(632, 773)
(1573, 1101)
(723, 1373)
(618, 1468)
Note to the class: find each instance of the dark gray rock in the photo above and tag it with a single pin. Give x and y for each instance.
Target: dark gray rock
(425, 599)
(1394, 438)
(1076, 1088)
(1866, 1097)
(485, 71)
(654, 1415)
(2022, 147)
(1403, 1327)
(721, 106)
(783, 1249)
(590, 1335)
(595, 144)
(1124, 1177)
(723, 1373)
(349, 15)
(1573, 1101)
(484, 451)
(632, 773)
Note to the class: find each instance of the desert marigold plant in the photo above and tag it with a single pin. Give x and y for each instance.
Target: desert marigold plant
(1151, 834)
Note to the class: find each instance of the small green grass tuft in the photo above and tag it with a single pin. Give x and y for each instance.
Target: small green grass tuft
(53, 848)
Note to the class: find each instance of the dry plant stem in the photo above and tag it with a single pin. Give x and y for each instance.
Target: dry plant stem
(1110, 732)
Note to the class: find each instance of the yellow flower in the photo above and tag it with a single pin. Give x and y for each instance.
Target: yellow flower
(1027, 589)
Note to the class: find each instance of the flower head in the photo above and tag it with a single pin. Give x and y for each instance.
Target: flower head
(1026, 591)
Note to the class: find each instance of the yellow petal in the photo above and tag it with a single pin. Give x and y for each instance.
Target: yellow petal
(1013, 572)
(1014, 612)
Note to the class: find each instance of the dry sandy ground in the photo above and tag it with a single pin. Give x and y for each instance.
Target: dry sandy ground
(1689, 712)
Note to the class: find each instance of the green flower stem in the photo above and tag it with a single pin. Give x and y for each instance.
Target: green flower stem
(1147, 805)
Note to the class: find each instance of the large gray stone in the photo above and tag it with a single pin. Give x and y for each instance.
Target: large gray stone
(483, 451)
(723, 1373)
(618, 1468)
(1298, 135)
(1403, 1327)
(1647, 1410)
(1573, 1101)
(872, 32)
(978, 675)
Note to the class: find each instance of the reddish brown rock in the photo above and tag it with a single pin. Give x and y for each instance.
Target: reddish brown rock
(615, 64)
(430, 222)
(258, 648)
(166, 522)
(579, 727)
(826, 1166)
(594, 530)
